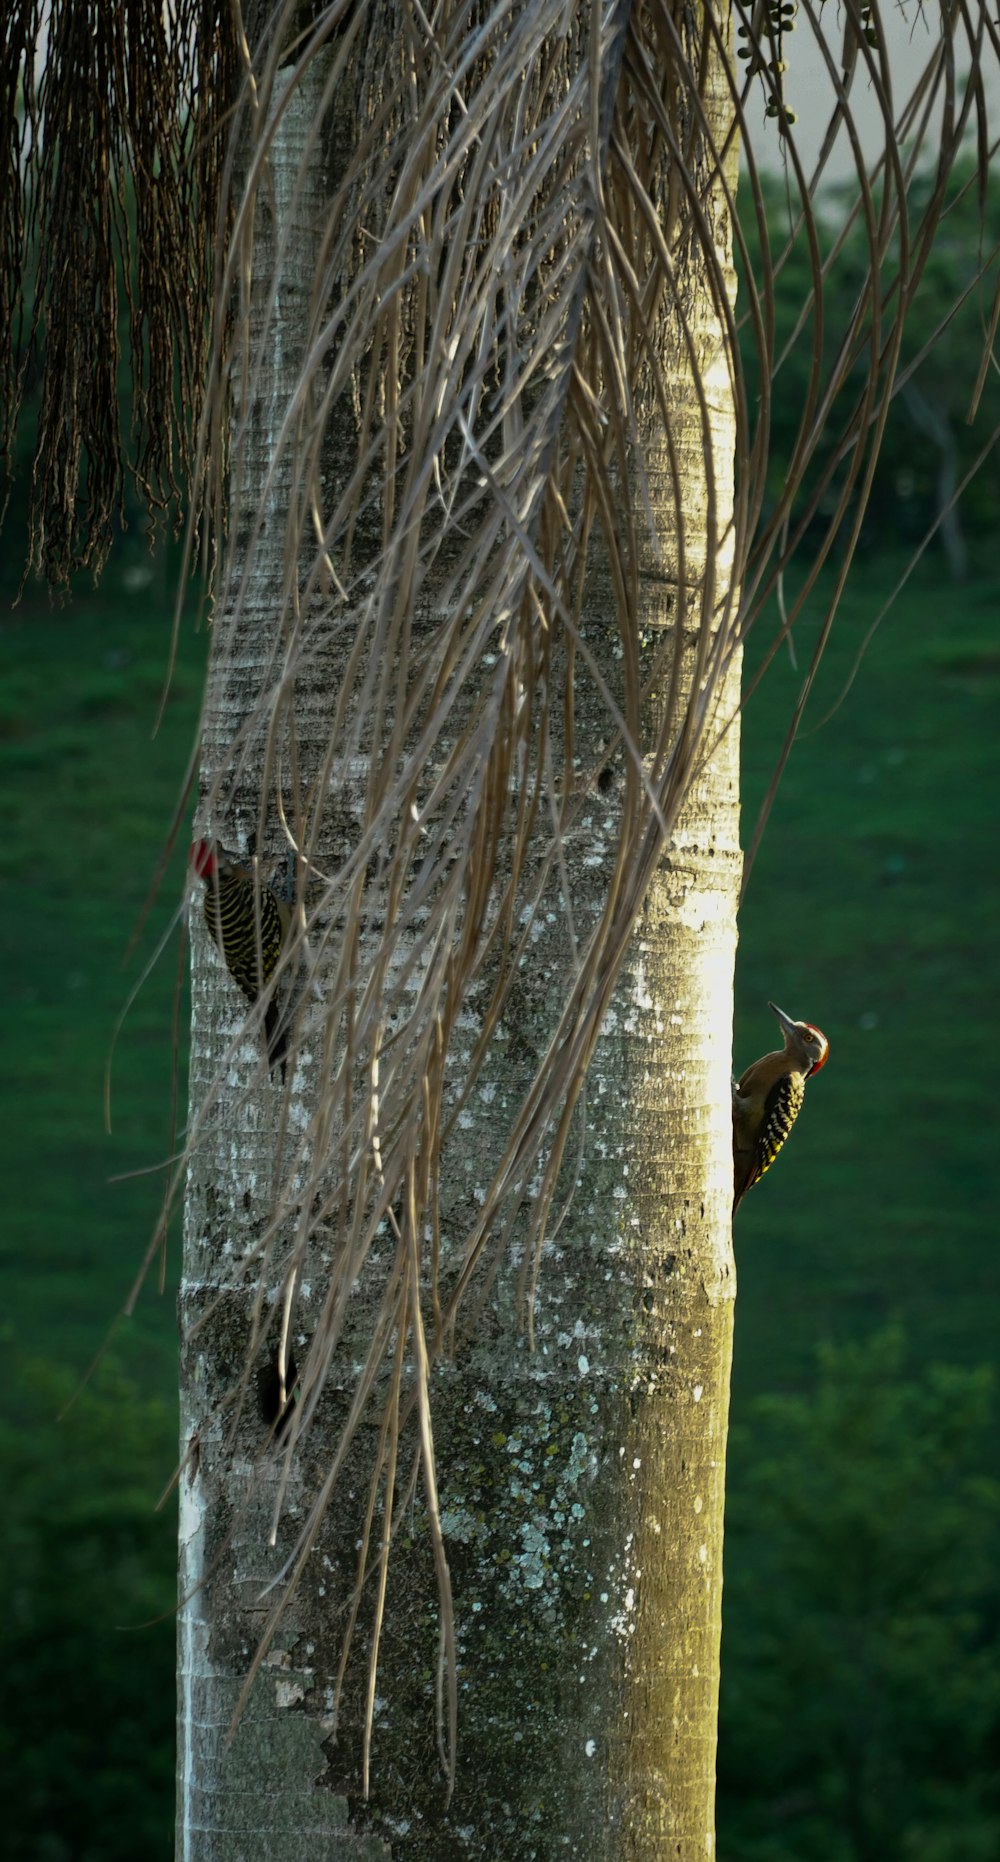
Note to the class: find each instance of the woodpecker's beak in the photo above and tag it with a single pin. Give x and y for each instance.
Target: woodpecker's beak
(785, 1021)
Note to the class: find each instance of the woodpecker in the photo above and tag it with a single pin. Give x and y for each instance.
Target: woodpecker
(249, 923)
(767, 1099)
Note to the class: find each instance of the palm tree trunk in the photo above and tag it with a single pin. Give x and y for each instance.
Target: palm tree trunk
(580, 1458)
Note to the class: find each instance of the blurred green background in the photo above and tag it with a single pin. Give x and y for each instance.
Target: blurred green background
(861, 1692)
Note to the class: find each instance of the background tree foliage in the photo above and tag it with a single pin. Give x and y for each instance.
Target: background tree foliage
(937, 472)
(863, 1545)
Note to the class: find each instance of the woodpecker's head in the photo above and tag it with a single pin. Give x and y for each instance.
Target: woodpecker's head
(804, 1044)
(202, 860)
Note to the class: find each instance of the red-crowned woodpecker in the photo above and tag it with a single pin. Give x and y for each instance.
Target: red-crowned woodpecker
(767, 1099)
(249, 923)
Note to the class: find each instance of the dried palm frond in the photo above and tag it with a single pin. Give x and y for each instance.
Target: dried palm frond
(109, 185)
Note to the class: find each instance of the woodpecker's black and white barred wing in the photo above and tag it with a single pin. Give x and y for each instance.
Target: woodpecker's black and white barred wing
(781, 1109)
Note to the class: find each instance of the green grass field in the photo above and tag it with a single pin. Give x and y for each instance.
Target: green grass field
(90, 1561)
(871, 911)
(90, 795)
